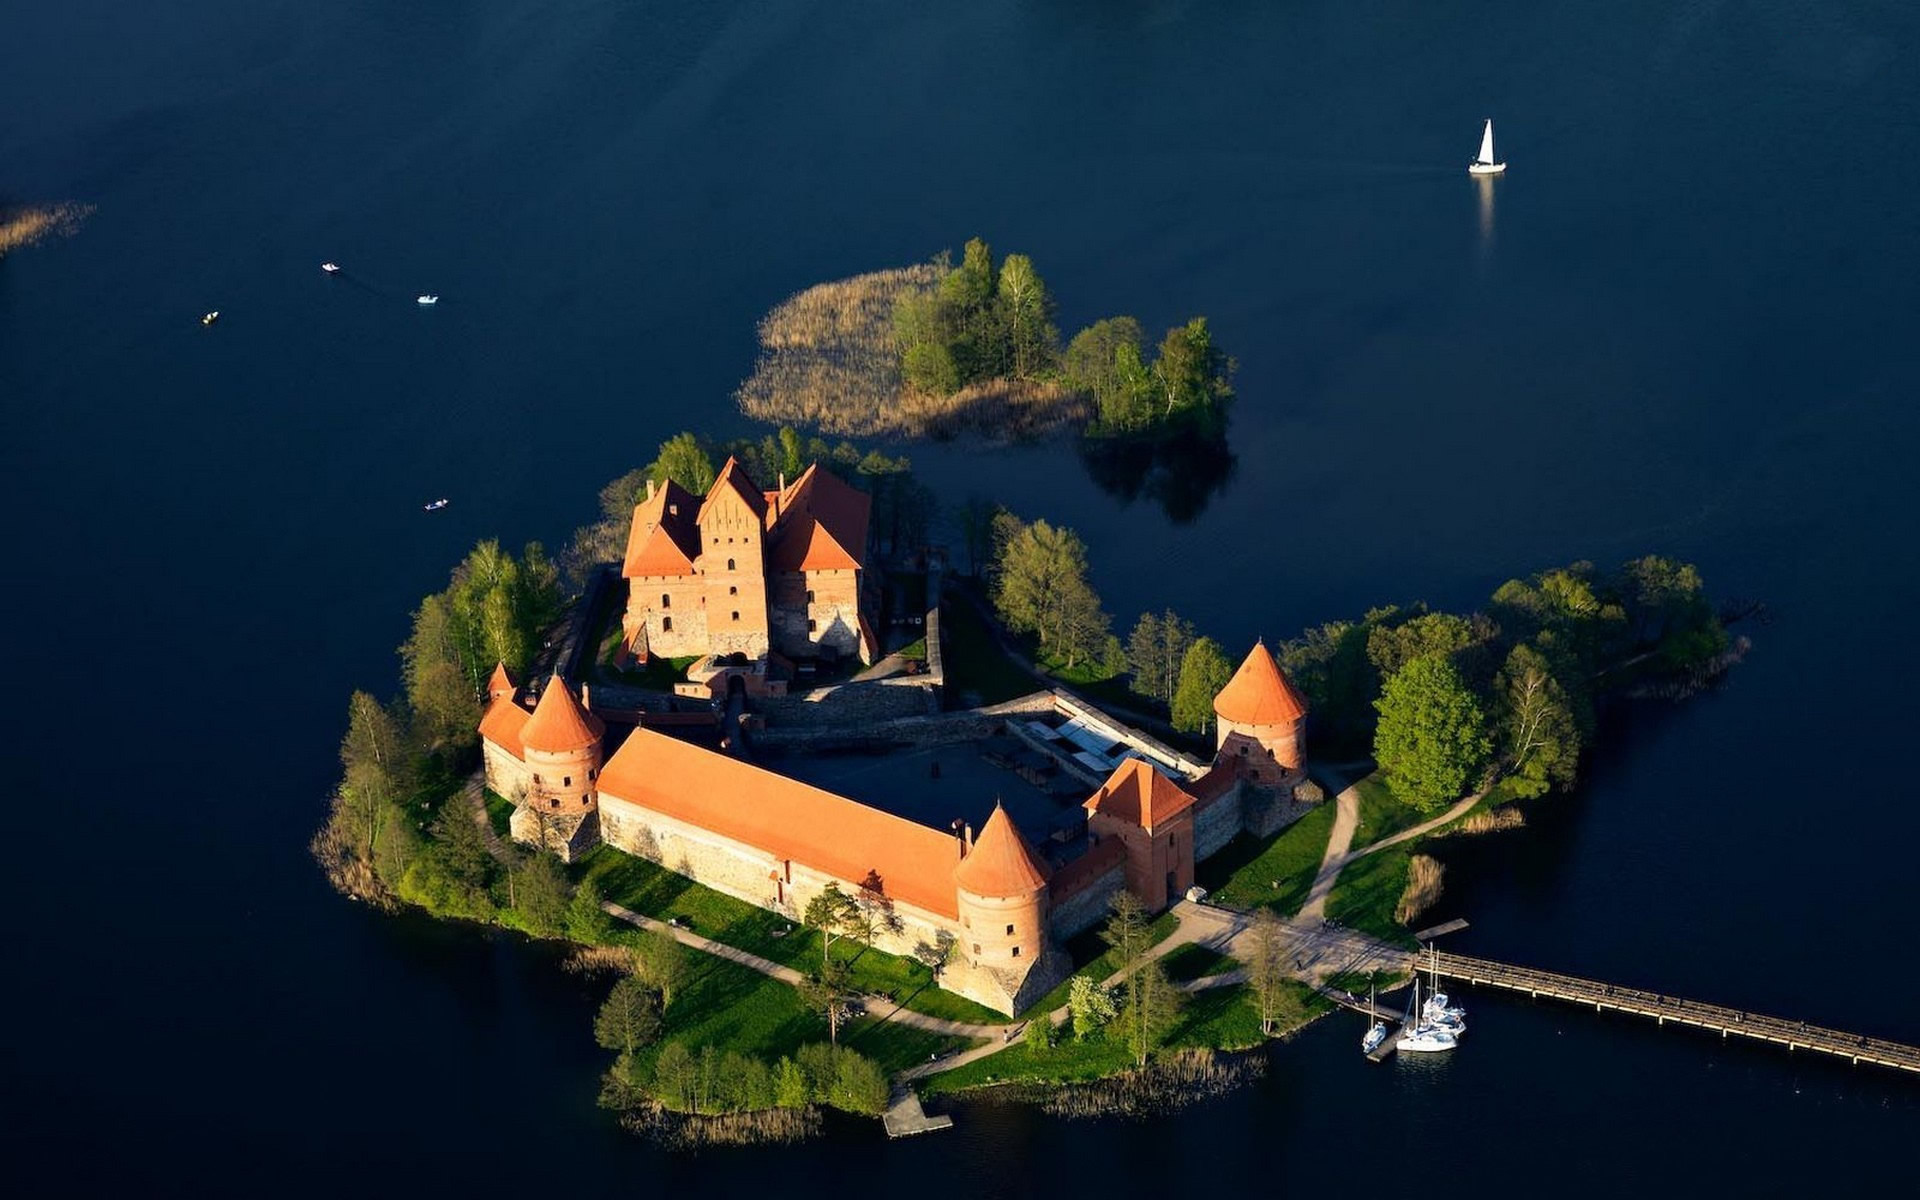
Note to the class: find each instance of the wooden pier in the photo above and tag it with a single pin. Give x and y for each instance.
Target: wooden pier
(1664, 1009)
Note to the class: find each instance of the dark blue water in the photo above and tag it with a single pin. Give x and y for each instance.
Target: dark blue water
(1680, 324)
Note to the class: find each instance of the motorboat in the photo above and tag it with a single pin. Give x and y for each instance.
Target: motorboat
(1378, 1033)
(437, 505)
(429, 299)
(331, 268)
(1483, 163)
(211, 317)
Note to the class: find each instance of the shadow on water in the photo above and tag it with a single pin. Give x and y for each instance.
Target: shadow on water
(1181, 472)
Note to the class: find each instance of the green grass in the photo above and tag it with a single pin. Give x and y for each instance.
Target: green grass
(1194, 961)
(1092, 959)
(1369, 889)
(654, 891)
(1382, 814)
(1277, 873)
(499, 811)
(974, 661)
(917, 648)
(1069, 1062)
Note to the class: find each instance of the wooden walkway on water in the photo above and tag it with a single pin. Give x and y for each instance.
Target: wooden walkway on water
(1728, 1022)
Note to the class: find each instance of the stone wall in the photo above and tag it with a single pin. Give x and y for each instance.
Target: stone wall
(1088, 904)
(568, 835)
(933, 729)
(817, 610)
(1216, 822)
(855, 704)
(507, 776)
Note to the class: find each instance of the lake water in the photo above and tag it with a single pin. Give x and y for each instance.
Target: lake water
(1681, 323)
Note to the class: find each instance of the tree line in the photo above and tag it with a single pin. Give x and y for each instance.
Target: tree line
(986, 322)
(903, 507)
(1448, 702)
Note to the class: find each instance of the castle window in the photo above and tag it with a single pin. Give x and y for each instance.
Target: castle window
(733, 591)
(812, 624)
(592, 774)
(666, 601)
(729, 564)
(809, 595)
(1009, 931)
(556, 802)
(1016, 952)
(536, 779)
(567, 781)
(976, 947)
(666, 624)
(736, 616)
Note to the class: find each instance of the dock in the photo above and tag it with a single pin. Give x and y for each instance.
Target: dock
(1674, 1010)
(904, 1116)
(1397, 1018)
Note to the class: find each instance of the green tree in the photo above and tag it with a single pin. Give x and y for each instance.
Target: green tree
(790, 1085)
(461, 847)
(1090, 1006)
(1192, 375)
(676, 1078)
(1204, 670)
(629, 1018)
(1038, 1035)
(1103, 360)
(586, 921)
(1027, 314)
(1041, 588)
(1667, 608)
(829, 992)
(1392, 646)
(541, 895)
(1156, 649)
(1432, 737)
(1539, 738)
(1149, 1008)
(661, 962)
(686, 462)
(834, 914)
(859, 1086)
(373, 756)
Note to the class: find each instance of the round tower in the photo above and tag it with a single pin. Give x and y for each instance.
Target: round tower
(561, 742)
(1002, 892)
(1261, 718)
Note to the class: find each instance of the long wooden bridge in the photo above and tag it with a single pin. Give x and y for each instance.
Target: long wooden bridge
(1728, 1022)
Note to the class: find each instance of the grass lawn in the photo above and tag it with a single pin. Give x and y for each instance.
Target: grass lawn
(974, 662)
(499, 811)
(1278, 873)
(1382, 814)
(654, 891)
(1069, 1062)
(1095, 961)
(1369, 889)
(1194, 961)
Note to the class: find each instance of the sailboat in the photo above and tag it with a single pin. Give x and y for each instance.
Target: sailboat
(1483, 163)
(1378, 1033)
(1425, 1038)
(1438, 1010)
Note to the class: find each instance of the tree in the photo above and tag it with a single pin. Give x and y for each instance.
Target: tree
(686, 462)
(1267, 966)
(1432, 738)
(873, 912)
(1329, 665)
(373, 757)
(586, 921)
(661, 962)
(829, 992)
(790, 1085)
(1667, 608)
(1149, 1008)
(1090, 1006)
(461, 847)
(1041, 588)
(935, 955)
(1127, 932)
(629, 1018)
(1155, 651)
(859, 1086)
(676, 1077)
(541, 895)
(1038, 1035)
(1027, 314)
(834, 914)
(1539, 737)
(1103, 360)
(1204, 670)
(1192, 375)
(976, 526)
(1392, 646)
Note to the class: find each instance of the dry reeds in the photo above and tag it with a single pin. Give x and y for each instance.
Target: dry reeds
(599, 960)
(1424, 875)
(689, 1131)
(828, 361)
(1172, 1082)
(25, 226)
(1491, 820)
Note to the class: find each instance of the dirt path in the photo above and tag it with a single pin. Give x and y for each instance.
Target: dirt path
(1346, 821)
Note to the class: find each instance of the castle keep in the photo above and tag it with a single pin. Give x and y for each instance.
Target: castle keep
(776, 842)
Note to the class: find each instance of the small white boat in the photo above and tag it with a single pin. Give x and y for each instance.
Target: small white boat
(1438, 1010)
(437, 505)
(1425, 1038)
(331, 268)
(1483, 163)
(211, 317)
(1378, 1033)
(429, 299)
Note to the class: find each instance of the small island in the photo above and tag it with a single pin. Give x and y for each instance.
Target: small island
(849, 823)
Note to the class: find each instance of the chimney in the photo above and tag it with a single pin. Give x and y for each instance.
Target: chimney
(649, 487)
(968, 844)
(586, 697)
(673, 510)
(783, 481)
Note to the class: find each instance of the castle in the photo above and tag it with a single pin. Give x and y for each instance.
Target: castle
(777, 843)
(748, 571)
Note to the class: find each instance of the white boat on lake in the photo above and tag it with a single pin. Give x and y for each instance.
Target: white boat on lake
(1378, 1033)
(331, 268)
(1425, 1038)
(1483, 163)
(436, 505)
(428, 299)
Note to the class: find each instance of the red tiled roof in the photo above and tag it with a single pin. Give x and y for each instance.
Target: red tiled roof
(558, 723)
(502, 723)
(502, 683)
(1259, 694)
(785, 818)
(1000, 863)
(733, 478)
(664, 539)
(822, 524)
(1139, 795)
(1217, 782)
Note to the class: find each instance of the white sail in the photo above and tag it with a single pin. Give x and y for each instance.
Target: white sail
(1486, 145)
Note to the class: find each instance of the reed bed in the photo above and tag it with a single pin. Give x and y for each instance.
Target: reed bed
(24, 226)
(828, 362)
(1168, 1083)
(1491, 820)
(1424, 876)
(692, 1131)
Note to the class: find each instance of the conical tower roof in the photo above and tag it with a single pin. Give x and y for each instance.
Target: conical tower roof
(1000, 864)
(558, 723)
(502, 683)
(1259, 694)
